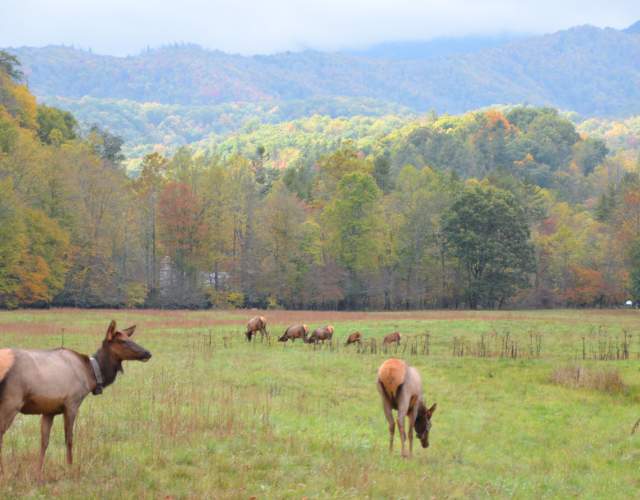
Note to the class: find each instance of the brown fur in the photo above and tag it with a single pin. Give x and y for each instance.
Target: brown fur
(255, 325)
(391, 376)
(7, 358)
(295, 332)
(355, 337)
(321, 334)
(391, 338)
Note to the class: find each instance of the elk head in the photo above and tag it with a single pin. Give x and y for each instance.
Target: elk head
(119, 343)
(423, 423)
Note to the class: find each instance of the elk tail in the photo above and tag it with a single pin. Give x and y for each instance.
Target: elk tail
(7, 358)
(392, 398)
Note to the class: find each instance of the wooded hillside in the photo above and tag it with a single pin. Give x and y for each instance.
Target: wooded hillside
(485, 209)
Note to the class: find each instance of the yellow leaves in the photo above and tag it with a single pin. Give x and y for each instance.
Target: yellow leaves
(18, 101)
(32, 274)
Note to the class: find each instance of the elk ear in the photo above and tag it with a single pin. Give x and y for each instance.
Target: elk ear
(129, 331)
(111, 331)
(431, 410)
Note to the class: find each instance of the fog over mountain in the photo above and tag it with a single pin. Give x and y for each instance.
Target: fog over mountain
(122, 27)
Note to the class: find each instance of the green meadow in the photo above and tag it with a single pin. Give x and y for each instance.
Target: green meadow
(212, 416)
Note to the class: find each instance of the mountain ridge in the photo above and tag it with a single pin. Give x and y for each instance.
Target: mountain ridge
(594, 71)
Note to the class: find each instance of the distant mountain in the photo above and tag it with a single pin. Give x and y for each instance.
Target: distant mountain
(634, 28)
(590, 70)
(438, 47)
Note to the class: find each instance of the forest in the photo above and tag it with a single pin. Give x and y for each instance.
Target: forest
(501, 207)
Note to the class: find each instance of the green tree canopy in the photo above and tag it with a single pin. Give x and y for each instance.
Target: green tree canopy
(486, 229)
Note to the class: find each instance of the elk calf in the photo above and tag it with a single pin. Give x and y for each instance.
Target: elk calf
(321, 334)
(295, 332)
(400, 388)
(255, 325)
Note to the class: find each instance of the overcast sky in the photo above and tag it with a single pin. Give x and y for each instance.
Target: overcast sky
(252, 26)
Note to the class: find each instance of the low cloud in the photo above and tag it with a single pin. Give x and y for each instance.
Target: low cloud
(124, 27)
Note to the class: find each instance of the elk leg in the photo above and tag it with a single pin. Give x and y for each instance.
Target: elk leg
(403, 434)
(6, 418)
(392, 425)
(45, 430)
(69, 419)
(412, 421)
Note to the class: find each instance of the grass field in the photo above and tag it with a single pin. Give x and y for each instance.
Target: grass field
(213, 416)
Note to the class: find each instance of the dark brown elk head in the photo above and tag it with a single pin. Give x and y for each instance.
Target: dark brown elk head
(119, 343)
(423, 423)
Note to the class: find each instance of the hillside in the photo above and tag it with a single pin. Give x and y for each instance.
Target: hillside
(590, 70)
(146, 126)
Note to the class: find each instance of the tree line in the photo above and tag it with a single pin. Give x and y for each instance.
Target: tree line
(488, 209)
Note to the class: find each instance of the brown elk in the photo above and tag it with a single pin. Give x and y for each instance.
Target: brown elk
(321, 334)
(295, 332)
(355, 337)
(50, 383)
(391, 338)
(255, 325)
(400, 388)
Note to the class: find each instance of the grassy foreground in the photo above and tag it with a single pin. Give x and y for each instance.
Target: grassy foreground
(211, 416)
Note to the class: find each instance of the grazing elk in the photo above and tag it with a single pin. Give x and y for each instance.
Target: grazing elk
(55, 382)
(321, 334)
(295, 332)
(391, 338)
(400, 387)
(255, 325)
(354, 338)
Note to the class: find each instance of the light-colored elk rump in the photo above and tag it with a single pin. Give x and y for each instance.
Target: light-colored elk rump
(55, 382)
(354, 338)
(295, 332)
(321, 334)
(400, 388)
(255, 325)
(391, 338)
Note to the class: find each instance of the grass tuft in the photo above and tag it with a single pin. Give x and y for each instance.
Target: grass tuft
(580, 377)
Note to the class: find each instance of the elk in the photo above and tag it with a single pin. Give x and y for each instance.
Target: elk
(295, 332)
(55, 382)
(400, 388)
(391, 338)
(355, 337)
(255, 325)
(321, 334)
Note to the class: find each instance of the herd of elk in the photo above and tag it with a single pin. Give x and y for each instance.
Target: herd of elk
(50, 383)
(55, 382)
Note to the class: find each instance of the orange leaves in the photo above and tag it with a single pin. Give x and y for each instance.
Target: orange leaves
(587, 288)
(182, 226)
(495, 120)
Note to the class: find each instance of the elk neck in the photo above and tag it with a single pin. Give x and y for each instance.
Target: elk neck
(109, 364)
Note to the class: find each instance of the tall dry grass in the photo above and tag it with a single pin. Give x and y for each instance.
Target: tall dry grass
(580, 377)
